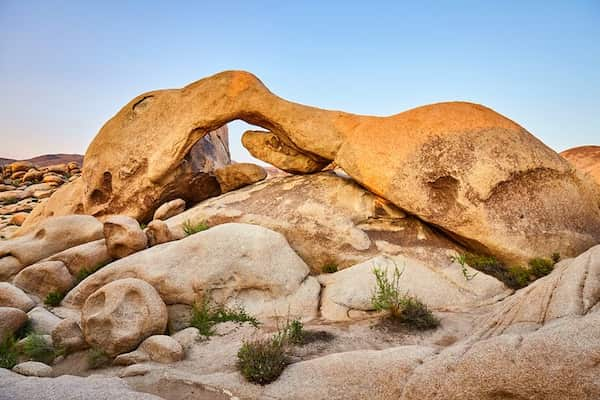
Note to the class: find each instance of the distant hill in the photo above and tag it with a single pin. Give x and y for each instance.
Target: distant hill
(47, 159)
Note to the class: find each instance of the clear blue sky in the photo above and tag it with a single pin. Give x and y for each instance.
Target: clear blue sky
(66, 67)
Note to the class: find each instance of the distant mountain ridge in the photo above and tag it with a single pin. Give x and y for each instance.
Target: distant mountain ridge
(47, 159)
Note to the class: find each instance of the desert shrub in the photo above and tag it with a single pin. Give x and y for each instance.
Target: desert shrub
(54, 298)
(402, 308)
(97, 358)
(329, 268)
(516, 277)
(8, 353)
(206, 315)
(462, 260)
(540, 266)
(555, 257)
(292, 332)
(36, 348)
(262, 361)
(190, 228)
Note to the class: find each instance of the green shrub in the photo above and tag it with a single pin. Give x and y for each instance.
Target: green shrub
(97, 358)
(189, 228)
(403, 309)
(262, 361)
(54, 298)
(8, 353)
(36, 348)
(541, 266)
(516, 277)
(462, 260)
(206, 315)
(291, 333)
(329, 268)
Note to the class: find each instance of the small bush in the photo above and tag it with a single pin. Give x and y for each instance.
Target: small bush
(291, 333)
(541, 266)
(206, 315)
(54, 298)
(262, 361)
(462, 260)
(8, 353)
(189, 228)
(404, 309)
(36, 348)
(329, 268)
(516, 277)
(97, 358)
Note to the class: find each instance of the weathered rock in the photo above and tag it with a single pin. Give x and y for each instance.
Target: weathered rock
(33, 368)
(33, 175)
(170, 209)
(19, 166)
(327, 219)
(50, 237)
(121, 314)
(18, 218)
(67, 387)
(162, 349)
(237, 264)
(187, 337)
(5, 188)
(88, 256)
(235, 176)
(179, 317)
(11, 319)
(43, 321)
(158, 232)
(133, 357)
(53, 179)
(61, 169)
(67, 335)
(72, 166)
(45, 277)
(123, 236)
(585, 159)
(12, 296)
(17, 176)
(14, 195)
(442, 288)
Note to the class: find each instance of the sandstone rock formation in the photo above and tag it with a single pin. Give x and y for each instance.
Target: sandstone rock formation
(11, 296)
(586, 159)
(67, 335)
(162, 349)
(118, 316)
(235, 176)
(326, 218)
(123, 236)
(11, 319)
(33, 368)
(236, 264)
(170, 209)
(459, 166)
(45, 277)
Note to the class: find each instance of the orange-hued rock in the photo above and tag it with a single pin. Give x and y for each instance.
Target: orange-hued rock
(460, 166)
(586, 159)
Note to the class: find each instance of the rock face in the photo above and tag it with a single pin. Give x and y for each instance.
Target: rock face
(327, 219)
(442, 288)
(45, 277)
(50, 237)
(11, 319)
(235, 176)
(118, 316)
(236, 264)
(586, 159)
(123, 236)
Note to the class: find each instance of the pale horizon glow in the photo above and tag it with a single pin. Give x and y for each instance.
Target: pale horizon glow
(66, 67)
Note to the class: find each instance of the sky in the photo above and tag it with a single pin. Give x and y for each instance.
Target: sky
(68, 66)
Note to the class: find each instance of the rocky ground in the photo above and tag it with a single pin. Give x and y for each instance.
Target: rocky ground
(166, 271)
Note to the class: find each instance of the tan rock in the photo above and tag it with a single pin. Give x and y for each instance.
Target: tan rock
(237, 264)
(12, 296)
(45, 277)
(50, 237)
(67, 335)
(33, 368)
(180, 316)
(43, 321)
(17, 176)
(33, 175)
(131, 358)
(53, 179)
(187, 337)
(158, 232)
(162, 349)
(61, 169)
(14, 195)
(235, 176)
(121, 314)
(72, 165)
(170, 209)
(6, 188)
(585, 159)
(18, 218)
(19, 166)
(88, 256)
(11, 319)
(326, 218)
(123, 236)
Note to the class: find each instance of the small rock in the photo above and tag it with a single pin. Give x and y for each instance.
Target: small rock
(53, 179)
(169, 209)
(67, 335)
(61, 169)
(45, 277)
(133, 357)
(33, 368)
(12, 296)
(158, 232)
(235, 176)
(162, 349)
(33, 175)
(43, 321)
(18, 218)
(135, 370)
(187, 337)
(123, 236)
(11, 319)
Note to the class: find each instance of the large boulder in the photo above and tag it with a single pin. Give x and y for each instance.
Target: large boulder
(121, 314)
(327, 219)
(45, 277)
(88, 256)
(123, 236)
(585, 159)
(43, 321)
(235, 264)
(12, 296)
(52, 236)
